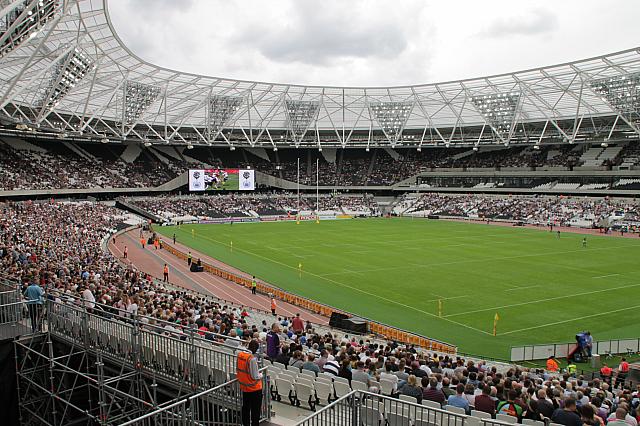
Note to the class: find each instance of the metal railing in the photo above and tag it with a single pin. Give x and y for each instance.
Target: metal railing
(180, 355)
(10, 302)
(628, 346)
(362, 408)
(220, 405)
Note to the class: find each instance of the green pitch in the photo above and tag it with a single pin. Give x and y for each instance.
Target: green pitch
(395, 271)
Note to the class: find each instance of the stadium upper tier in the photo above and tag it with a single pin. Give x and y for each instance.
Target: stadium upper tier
(65, 71)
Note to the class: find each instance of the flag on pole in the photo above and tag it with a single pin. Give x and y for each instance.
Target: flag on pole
(439, 307)
(193, 232)
(231, 245)
(299, 265)
(300, 269)
(496, 318)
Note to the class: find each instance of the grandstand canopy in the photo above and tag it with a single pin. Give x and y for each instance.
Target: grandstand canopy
(64, 70)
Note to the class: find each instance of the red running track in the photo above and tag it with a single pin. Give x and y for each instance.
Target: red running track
(152, 262)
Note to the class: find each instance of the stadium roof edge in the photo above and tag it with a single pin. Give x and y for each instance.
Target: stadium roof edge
(116, 93)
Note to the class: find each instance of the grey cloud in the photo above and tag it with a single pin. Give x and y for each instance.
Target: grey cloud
(535, 22)
(317, 36)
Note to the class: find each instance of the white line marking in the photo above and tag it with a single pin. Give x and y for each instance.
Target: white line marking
(605, 276)
(577, 318)
(523, 287)
(545, 300)
(356, 289)
(458, 262)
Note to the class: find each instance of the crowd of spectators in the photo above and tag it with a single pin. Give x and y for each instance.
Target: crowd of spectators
(534, 209)
(60, 246)
(171, 207)
(31, 170)
(394, 369)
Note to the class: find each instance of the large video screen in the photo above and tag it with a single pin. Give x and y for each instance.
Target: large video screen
(222, 180)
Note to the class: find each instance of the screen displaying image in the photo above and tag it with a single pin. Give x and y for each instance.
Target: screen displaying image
(221, 180)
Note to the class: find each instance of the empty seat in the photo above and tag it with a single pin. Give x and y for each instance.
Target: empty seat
(324, 391)
(305, 394)
(387, 387)
(308, 373)
(480, 414)
(455, 410)
(341, 380)
(284, 388)
(506, 419)
(325, 379)
(409, 398)
(361, 386)
(341, 388)
(532, 422)
(473, 421)
(431, 404)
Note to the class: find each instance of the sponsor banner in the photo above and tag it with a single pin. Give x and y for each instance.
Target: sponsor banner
(229, 220)
(196, 180)
(344, 216)
(247, 181)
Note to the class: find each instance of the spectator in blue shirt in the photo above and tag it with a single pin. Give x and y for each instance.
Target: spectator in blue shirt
(34, 294)
(458, 400)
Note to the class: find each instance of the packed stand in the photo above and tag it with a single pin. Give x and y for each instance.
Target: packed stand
(32, 170)
(535, 210)
(441, 381)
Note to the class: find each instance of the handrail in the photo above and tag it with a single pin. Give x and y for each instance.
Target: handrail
(352, 403)
(179, 402)
(188, 399)
(158, 329)
(387, 331)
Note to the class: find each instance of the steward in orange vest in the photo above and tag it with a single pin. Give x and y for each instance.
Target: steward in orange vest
(165, 273)
(250, 381)
(552, 364)
(605, 373)
(273, 306)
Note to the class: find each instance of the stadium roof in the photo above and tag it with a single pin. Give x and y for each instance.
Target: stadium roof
(64, 68)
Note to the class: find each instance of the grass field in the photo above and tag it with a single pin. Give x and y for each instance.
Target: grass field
(544, 289)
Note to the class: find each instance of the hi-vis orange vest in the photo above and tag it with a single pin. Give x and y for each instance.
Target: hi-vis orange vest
(552, 365)
(273, 304)
(166, 269)
(247, 383)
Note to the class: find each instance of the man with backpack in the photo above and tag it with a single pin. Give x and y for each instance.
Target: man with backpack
(509, 407)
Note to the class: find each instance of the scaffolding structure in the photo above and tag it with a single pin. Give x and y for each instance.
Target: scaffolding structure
(93, 366)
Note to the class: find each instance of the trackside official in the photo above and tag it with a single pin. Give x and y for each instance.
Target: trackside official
(250, 381)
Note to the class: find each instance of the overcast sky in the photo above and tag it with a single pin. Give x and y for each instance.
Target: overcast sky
(371, 42)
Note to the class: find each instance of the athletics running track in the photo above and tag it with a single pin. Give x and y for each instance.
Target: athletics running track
(152, 262)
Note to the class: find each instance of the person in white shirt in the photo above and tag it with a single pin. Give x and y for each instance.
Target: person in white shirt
(88, 299)
(388, 375)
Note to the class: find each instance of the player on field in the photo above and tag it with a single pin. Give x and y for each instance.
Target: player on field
(584, 242)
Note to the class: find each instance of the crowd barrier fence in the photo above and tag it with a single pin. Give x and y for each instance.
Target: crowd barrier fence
(561, 350)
